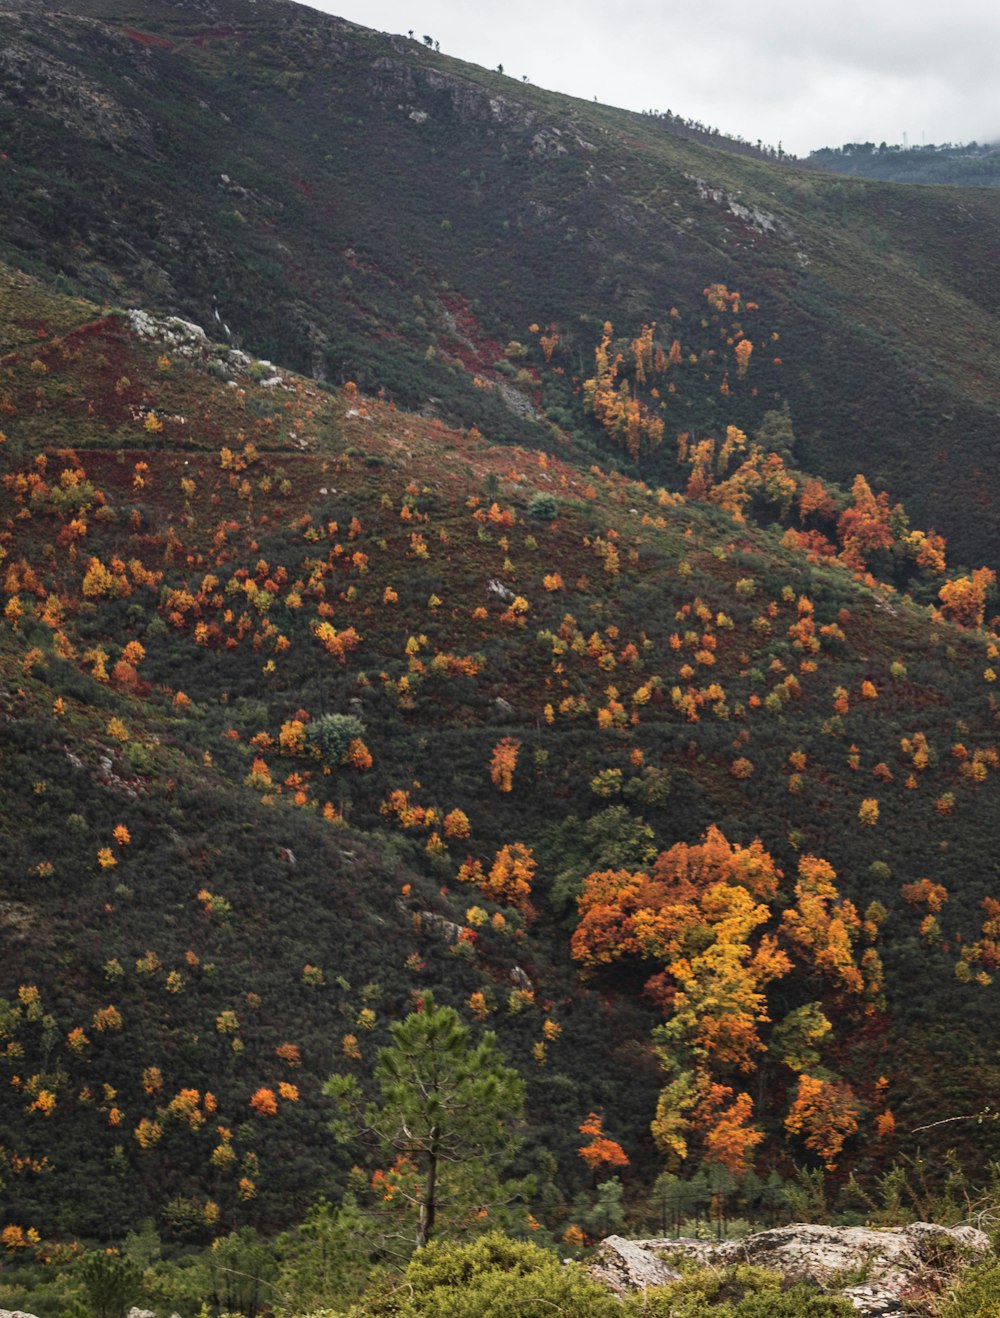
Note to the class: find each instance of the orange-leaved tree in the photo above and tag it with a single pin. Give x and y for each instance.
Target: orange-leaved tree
(825, 1114)
(825, 927)
(503, 763)
(510, 877)
(863, 527)
(963, 600)
(699, 914)
(601, 1153)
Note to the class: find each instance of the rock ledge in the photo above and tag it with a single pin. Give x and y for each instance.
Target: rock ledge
(891, 1272)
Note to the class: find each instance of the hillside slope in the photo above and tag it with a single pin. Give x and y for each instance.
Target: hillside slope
(310, 704)
(362, 208)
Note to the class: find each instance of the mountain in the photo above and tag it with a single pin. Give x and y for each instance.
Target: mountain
(348, 200)
(434, 557)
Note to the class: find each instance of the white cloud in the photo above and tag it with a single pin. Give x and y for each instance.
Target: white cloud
(809, 76)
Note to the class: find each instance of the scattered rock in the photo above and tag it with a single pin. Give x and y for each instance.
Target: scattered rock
(499, 591)
(107, 777)
(288, 856)
(755, 218)
(546, 143)
(503, 710)
(518, 403)
(17, 922)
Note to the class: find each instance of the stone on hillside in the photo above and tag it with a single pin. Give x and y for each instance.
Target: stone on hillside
(497, 589)
(182, 336)
(448, 929)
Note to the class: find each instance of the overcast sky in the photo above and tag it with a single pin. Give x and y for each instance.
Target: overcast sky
(802, 73)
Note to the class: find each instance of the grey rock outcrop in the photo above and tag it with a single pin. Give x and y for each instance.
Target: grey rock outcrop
(34, 79)
(183, 336)
(499, 591)
(503, 710)
(894, 1272)
(630, 1265)
(434, 923)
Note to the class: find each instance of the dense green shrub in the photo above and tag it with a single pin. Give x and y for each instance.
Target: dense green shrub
(333, 733)
(977, 1295)
(493, 1278)
(738, 1292)
(543, 506)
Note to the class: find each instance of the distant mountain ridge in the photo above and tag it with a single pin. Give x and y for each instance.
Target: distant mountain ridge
(971, 165)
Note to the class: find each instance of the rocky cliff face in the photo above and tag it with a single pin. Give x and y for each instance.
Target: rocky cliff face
(892, 1273)
(34, 78)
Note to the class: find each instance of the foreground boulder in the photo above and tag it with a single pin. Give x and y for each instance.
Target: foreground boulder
(631, 1265)
(893, 1272)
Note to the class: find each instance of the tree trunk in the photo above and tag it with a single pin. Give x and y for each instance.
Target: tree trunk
(428, 1205)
